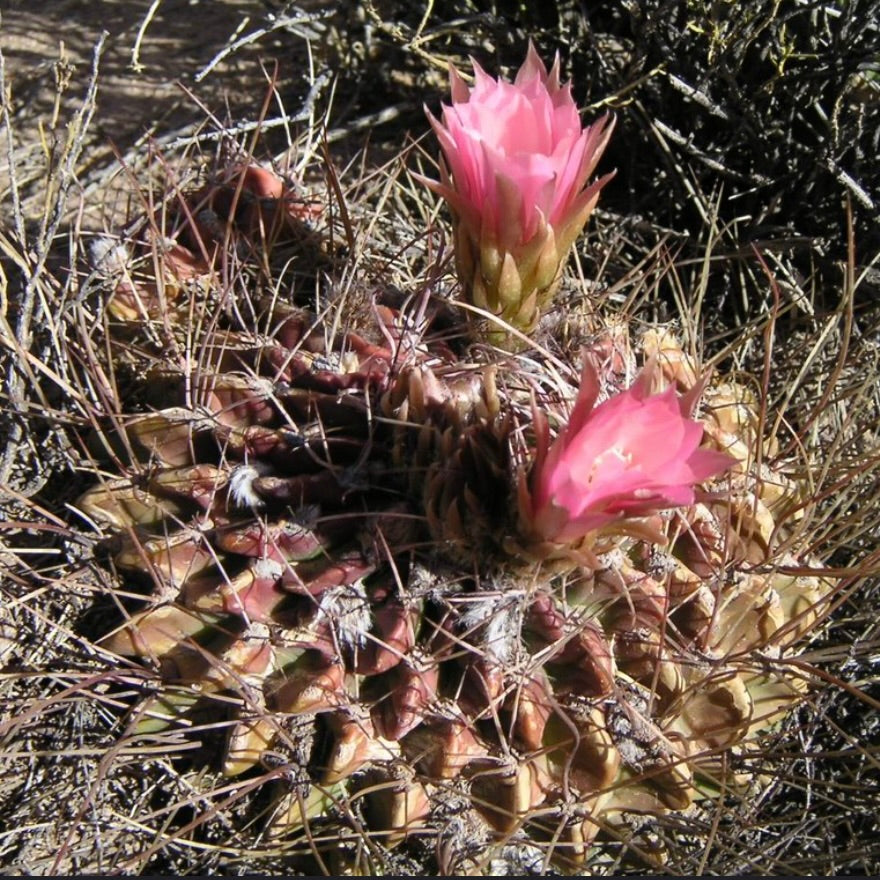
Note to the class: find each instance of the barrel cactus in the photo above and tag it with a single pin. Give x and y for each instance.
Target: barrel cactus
(338, 535)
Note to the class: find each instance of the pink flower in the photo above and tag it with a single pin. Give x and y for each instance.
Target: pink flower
(631, 455)
(517, 161)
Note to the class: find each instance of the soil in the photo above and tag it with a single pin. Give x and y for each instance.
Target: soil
(159, 75)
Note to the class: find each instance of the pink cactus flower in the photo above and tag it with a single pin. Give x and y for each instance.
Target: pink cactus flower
(517, 161)
(630, 456)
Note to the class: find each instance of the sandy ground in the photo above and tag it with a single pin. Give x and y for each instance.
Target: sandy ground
(160, 69)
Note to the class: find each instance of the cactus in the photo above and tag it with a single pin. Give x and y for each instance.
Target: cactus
(331, 530)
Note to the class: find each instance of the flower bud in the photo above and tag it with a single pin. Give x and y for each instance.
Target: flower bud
(515, 170)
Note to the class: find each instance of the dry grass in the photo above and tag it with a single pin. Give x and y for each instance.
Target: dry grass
(753, 286)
